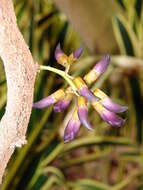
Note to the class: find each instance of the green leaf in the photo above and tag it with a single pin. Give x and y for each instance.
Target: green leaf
(88, 184)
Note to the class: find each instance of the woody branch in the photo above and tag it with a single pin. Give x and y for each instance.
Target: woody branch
(20, 72)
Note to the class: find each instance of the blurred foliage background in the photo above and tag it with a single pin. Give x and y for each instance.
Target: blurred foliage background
(108, 158)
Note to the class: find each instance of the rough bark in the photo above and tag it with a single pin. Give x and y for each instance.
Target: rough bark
(20, 72)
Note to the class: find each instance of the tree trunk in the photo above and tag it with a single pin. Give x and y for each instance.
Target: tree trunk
(20, 72)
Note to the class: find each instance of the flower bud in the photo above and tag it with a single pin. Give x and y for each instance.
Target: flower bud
(49, 100)
(77, 53)
(72, 128)
(83, 89)
(108, 103)
(108, 116)
(97, 70)
(83, 112)
(60, 56)
(61, 105)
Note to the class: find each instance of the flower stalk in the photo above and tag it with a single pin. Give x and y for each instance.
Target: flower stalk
(68, 78)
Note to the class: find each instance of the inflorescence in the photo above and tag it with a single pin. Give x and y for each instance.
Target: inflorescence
(61, 98)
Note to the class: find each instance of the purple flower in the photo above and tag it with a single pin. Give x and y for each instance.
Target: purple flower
(112, 118)
(108, 103)
(85, 92)
(45, 102)
(61, 105)
(77, 53)
(83, 112)
(83, 117)
(58, 52)
(112, 106)
(65, 60)
(49, 100)
(108, 116)
(60, 56)
(102, 65)
(72, 128)
(97, 70)
(83, 89)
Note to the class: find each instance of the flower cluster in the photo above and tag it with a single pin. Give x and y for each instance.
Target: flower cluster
(61, 99)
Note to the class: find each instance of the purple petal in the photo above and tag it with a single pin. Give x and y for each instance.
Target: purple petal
(112, 106)
(83, 117)
(101, 66)
(58, 52)
(71, 130)
(77, 53)
(85, 92)
(112, 118)
(45, 102)
(61, 105)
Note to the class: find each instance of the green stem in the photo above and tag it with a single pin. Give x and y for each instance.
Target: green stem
(91, 140)
(67, 77)
(53, 155)
(85, 159)
(127, 180)
(47, 185)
